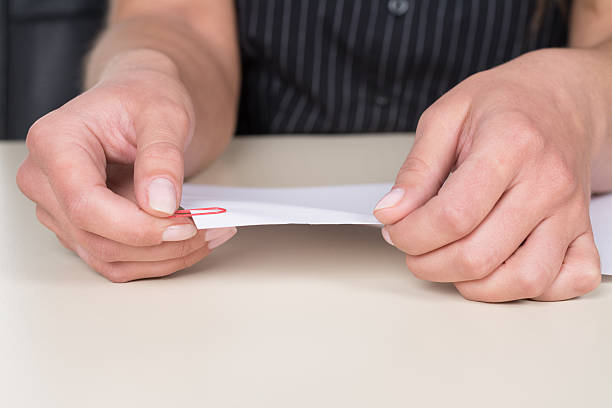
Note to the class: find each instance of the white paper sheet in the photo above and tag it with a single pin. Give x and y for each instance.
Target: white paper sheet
(350, 204)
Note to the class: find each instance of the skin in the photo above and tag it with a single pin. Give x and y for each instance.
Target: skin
(161, 101)
(494, 195)
(526, 142)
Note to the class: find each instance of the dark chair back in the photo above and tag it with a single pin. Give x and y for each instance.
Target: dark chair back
(42, 45)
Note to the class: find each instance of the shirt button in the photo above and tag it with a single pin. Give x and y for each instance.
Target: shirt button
(398, 7)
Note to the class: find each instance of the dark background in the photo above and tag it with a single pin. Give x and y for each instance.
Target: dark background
(42, 44)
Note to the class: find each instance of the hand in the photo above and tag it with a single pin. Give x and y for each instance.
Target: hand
(512, 219)
(106, 170)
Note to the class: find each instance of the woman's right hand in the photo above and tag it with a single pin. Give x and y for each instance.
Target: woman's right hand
(106, 170)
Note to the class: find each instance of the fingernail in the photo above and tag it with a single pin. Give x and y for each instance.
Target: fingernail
(214, 233)
(162, 196)
(386, 236)
(179, 232)
(392, 198)
(222, 239)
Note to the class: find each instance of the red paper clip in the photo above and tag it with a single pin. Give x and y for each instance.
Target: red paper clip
(203, 211)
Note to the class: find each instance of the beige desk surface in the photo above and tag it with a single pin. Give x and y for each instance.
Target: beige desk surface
(289, 316)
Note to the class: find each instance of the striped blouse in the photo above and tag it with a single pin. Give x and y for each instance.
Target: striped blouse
(331, 66)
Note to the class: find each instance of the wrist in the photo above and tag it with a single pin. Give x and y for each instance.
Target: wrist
(136, 60)
(576, 81)
(580, 84)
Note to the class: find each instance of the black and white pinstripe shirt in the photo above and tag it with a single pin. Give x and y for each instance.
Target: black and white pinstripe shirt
(325, 66)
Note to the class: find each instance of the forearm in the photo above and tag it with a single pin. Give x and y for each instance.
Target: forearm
(206, 62)
(591, 32)
(601, 161)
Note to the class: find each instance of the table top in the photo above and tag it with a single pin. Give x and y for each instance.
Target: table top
(282, 315)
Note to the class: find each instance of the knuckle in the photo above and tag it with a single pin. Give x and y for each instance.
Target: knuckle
(47, 221)
(41, 215)
(428, 117)
(175, 114)
(475, 264)
(163, 150)
(414, 164)
(416, 268)
(27, 183)
(587, 282)
(527, 137)
(35, 133)
(562, 179)
(118, 277)
(458, 219)
(401, 240)
(64, 242)
(181, 116)
(465, 290)
(532, 281)
(22, 179)
(114, 273)
(588, 278)
(38, 136)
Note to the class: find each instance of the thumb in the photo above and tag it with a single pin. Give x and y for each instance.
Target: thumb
(428, 164)
(159, 165)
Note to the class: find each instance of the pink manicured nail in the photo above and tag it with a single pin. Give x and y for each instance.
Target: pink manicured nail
(222, 239)
(162, 195)
(392, 198)
(386, 236)
(214, 233)
(179, 232)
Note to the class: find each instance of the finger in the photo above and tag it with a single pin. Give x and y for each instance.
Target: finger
(580, 272)
(128, 271)
(110, 251)
(527, 273)
(429, 162)
(65, 243)
(29, 178)
(46, 219)
(486, 248)
(34, 185)
(103, 248)
(464, 201)
(75, 168)
(162, 134)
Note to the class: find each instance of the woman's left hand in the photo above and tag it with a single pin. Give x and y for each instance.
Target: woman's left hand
(512, 219)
